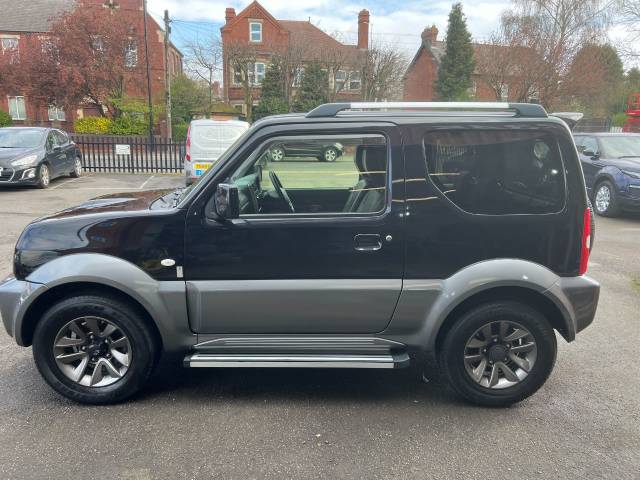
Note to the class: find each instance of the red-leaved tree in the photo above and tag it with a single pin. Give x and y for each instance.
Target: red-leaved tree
(91, 56)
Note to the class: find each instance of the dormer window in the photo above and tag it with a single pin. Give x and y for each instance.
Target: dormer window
(255, 32)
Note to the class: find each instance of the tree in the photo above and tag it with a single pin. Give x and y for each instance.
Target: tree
(457, 65)
(90, 56)
(630, 17)
(188, 96)
(382, 73)
(241, 58)
(203, 61)
(272, 98)
(313, 88)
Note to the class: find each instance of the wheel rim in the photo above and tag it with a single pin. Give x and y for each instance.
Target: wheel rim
(499, 355)
(92, 352)
(44, 175)
(277, 155)
(78, 167)
(603, 198)
(330, 155)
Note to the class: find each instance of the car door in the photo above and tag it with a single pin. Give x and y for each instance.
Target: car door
(56, 158)
(590, 163)
(324, 270)
(68, 149)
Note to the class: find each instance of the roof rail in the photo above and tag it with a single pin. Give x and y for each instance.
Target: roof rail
(527, 110)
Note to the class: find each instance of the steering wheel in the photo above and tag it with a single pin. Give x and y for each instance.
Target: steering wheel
(280, 191)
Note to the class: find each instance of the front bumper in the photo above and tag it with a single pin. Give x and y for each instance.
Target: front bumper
(19, 176)
(577, 298)
(15, 297)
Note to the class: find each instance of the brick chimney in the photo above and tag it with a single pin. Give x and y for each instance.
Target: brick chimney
(430, 35)
(363, 29)
(229, 14)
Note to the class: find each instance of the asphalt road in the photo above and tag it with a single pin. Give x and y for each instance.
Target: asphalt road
(245, 424)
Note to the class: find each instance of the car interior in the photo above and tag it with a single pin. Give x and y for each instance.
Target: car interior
(489, 173)
(355, 184)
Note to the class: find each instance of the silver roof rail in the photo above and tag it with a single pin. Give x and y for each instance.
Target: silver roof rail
(527, 110)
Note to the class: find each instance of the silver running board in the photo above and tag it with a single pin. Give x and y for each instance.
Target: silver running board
(296, 361)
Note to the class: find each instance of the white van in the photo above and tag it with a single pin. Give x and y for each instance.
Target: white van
(206, 141)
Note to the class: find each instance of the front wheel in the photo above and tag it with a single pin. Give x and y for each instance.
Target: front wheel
(44, 176)
(330, 155)
(498, 353)
(605, 200)
(94, 349)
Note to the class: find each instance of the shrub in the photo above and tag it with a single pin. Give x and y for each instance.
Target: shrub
(92, 125)
(5, 119)
(127, 125)
(619, 119)
(179, 130)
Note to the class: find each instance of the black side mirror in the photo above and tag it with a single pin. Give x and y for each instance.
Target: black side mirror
(227, 201)
(57, 149)
(590, 153)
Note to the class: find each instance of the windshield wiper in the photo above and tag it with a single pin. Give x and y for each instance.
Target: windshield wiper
(630, 156)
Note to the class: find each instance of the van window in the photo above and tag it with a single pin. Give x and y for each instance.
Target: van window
(497, 172)
(211, 141)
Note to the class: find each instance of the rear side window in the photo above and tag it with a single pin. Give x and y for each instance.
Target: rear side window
(497, 172)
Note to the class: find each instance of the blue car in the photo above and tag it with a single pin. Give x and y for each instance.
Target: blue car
(611, 165)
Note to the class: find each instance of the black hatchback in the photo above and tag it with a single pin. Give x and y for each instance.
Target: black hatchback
(36, 155)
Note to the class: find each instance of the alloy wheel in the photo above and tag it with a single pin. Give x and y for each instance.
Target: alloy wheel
(92, 351)
(603, 198)
(44, 175)
(500, 354)
(330, 155)
(78, 167)
(277, 154)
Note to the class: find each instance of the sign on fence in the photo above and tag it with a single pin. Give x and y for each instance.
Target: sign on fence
(123, 149)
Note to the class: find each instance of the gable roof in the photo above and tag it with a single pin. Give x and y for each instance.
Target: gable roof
(249, 12)
(31, 15)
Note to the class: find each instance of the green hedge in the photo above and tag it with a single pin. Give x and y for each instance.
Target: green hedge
(5, 119)
(179, 130)
(93, 125)
(128, 126)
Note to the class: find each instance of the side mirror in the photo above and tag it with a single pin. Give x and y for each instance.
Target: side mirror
(590, 153)
(227, 201)
(57, 149)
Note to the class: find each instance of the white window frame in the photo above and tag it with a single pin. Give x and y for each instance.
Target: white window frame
(504, 92)
(351, 81)
(56, 114)
(341, 81)
(473, 89)
(15, 41)
(258, 77)
(251, 32)
(15, 112)
(131, 54)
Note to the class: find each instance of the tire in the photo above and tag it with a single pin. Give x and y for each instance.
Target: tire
(330, 155)
(454, 366)
(77, 170)
(277, 154)
(607, 205)
(44, 176)
(141, 349)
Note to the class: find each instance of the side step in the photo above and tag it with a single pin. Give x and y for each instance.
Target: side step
(296, 361)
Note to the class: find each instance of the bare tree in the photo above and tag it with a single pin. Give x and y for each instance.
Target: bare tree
(241, 58)
(630, 18)
(382, 69)
(204, 61)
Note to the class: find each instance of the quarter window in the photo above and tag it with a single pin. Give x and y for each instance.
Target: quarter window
(17, 108)
(255, 32)
(497, 172)
(314, 175)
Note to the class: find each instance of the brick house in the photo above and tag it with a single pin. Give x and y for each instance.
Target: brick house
(33, 18)
(256, 28)
(422, 73)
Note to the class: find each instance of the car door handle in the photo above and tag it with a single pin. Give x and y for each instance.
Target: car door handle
(367, 242)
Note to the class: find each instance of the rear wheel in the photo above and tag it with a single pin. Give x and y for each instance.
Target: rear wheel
(277, 154)
(94, 349)
(605, 201)
(499, 353)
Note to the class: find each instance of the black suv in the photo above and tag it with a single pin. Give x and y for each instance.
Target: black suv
(456, 232)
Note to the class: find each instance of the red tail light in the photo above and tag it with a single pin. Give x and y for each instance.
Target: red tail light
(586, 242)
(187, 157)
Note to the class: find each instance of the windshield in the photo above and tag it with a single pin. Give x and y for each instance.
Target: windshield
(20, 138)
(617, 147)
(203, 178)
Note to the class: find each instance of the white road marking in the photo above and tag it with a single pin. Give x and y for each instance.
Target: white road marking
(64, 183)
(146, 181)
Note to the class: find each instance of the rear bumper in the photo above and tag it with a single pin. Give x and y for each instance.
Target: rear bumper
(577, 298)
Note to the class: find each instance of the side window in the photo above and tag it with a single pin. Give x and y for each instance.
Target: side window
(589, 144)
(497, 172)
(314, 175)
(60, 138)
(51, 142)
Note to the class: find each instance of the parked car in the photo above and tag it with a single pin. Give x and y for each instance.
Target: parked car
(206, 141)
(464, 239)
(35, 156)
(611, 165)
(324, 153)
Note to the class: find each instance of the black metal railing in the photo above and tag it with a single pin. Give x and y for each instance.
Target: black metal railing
(116, 154)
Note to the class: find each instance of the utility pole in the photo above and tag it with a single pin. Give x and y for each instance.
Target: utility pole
(167, 73)
(146, 55)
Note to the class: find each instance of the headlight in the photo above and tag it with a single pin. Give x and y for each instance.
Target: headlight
(21, 162)
(631, 174)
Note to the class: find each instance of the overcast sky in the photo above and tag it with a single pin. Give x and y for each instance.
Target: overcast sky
(392, 22)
